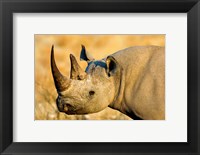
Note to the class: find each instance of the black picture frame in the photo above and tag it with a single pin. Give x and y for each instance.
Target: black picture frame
(8, 7)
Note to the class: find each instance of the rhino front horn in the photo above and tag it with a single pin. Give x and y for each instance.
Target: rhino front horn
(76, 72)
(61, 82)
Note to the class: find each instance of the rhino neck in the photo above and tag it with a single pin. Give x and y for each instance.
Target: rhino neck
(119, 93)
(119, 101)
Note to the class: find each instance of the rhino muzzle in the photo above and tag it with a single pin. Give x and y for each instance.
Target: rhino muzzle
(65, 107)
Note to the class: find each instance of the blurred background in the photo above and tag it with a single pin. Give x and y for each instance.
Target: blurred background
(99, 46)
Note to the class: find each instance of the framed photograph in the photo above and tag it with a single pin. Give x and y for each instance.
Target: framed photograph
(99, 77)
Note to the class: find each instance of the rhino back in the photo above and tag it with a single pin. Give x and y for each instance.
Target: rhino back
(144, 69)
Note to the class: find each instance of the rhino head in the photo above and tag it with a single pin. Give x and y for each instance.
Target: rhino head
(86, 91)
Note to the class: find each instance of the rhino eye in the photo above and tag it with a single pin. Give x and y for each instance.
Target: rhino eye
(91, 92)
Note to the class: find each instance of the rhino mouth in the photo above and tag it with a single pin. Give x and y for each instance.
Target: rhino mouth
(69, 109)
(72, 110)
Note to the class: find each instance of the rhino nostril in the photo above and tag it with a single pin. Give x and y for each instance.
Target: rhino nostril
(65, 108)
(68, 105)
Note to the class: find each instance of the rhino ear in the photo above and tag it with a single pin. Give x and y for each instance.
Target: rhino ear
(113, 67)
(85, 55)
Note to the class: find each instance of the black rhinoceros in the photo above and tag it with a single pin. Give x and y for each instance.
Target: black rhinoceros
(131, 80)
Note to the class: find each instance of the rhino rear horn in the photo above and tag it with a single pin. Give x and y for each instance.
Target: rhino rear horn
(61, 82)
(76, 71)
(85, 55)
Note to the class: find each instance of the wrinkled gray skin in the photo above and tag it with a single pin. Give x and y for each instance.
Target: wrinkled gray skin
(131, 80)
